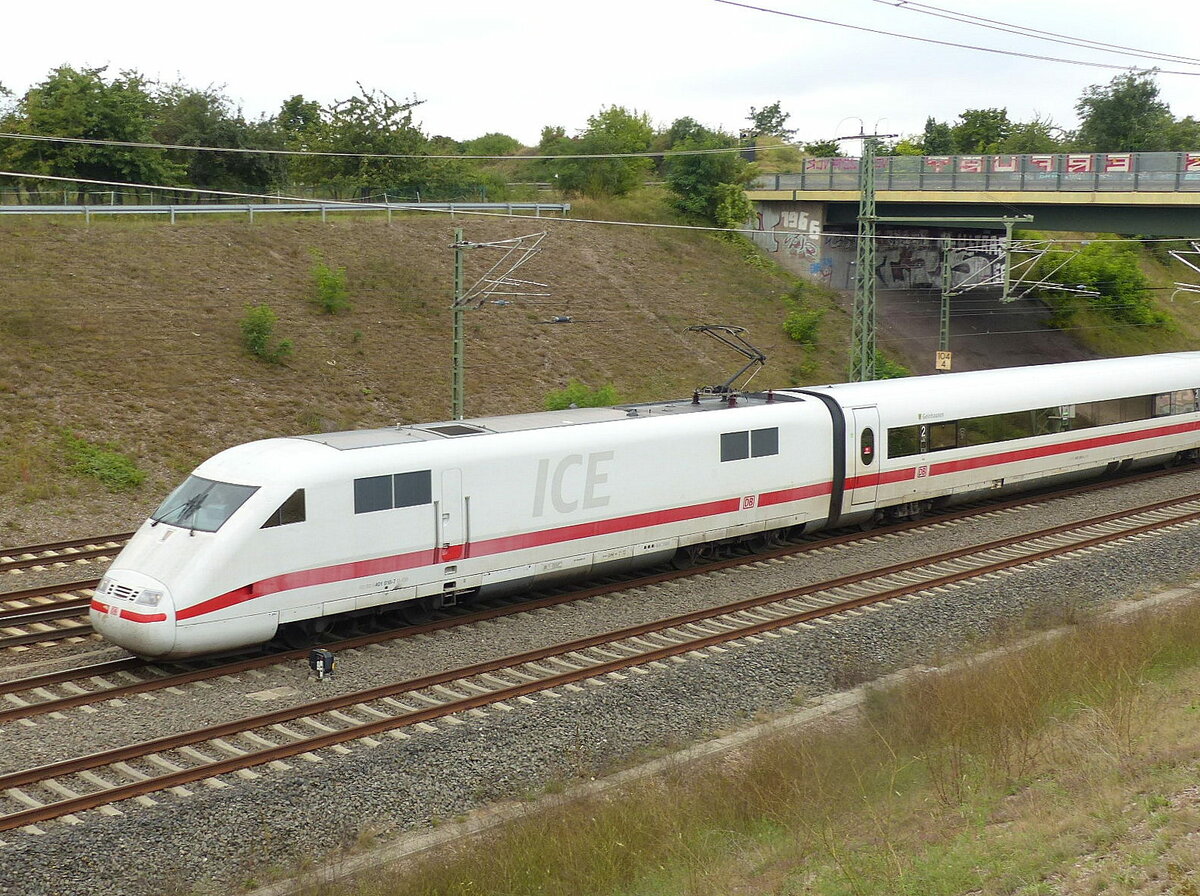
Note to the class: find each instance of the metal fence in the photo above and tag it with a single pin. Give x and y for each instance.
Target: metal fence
(323, 208)
(1161, 172)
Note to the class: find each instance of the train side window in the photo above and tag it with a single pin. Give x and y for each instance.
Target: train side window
(1015, 425)
(764, 442)
(412, 489)
(975, 431)
(1052, 420)
(1139, 408)
(1183, 401)
(943, 436)
(735, 445)
(1085, 416)
(290, 511)
(1106, 413)
(372, 493)
(902, 441)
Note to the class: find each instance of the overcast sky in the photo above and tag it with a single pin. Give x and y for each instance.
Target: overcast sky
(517, 66)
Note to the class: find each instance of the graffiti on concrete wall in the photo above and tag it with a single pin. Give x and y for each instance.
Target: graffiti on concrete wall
(911, 258)
(791, 231)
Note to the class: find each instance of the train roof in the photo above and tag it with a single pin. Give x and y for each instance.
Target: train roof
(1046, 384)
(453, 429)
(1020, 388)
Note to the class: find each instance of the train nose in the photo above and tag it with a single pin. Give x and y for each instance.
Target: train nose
(134, 611)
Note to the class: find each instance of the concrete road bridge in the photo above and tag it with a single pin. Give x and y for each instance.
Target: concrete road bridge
(807, 219)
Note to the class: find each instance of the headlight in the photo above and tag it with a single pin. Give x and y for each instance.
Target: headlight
(149, 598)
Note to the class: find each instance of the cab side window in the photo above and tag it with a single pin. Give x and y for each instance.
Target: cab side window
(290, 511)
(373, 493)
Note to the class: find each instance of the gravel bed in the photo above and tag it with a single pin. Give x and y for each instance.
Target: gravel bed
(221, 840)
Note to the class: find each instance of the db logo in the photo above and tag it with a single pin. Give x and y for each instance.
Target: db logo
(922, 472)
(748, 502)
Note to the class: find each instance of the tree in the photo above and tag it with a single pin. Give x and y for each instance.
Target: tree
(81, 103)
(1184, 135)
(937, 139)
(1125, 116)
(297, 116)
(770, 121)
(1033, 136)
(191, 117)
(492, 144)
(826, 149)
(980, 130)
(370, 122)
(614, 130)
(698, 181)
(906, 146)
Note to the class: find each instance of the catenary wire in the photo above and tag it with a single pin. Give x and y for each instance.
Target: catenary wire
(943, 43)
(1035, 33)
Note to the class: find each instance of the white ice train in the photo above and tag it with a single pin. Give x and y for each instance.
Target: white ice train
(292, 531)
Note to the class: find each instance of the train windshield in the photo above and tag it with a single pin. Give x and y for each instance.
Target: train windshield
(202, 504)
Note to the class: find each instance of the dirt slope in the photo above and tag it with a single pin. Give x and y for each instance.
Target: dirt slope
(127, 332)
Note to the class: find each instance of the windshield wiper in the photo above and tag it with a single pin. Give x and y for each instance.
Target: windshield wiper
(186, 510)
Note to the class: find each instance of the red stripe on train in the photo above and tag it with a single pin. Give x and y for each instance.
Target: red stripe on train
(127, 614)
(397, 562)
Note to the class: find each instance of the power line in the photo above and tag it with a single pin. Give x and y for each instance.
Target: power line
(943, 43)
(1035, 33)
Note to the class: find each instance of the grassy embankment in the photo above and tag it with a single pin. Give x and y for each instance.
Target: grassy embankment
(126, 335)
(1068, 767)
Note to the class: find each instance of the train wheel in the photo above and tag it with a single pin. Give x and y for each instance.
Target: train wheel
(417, 612)
(297, 635)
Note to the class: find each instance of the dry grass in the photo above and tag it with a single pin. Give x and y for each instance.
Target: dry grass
(1068, 767)
(127, 334)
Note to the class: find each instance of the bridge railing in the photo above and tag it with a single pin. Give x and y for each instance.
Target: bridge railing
(1166, 172)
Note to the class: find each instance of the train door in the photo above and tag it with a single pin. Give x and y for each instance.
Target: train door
(866, 460)
(451, 533)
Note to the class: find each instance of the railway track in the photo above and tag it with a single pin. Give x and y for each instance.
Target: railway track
(45, 614)
(171, 764)
(59, 554)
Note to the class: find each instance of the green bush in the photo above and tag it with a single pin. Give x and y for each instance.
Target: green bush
(257, 326)
(1111, 269)
(732, 207)
(581, 396)
(329, 284)
(802, 326)
(105, 463)
(887, 369)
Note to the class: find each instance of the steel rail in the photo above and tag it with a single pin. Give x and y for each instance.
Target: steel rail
(45, 591)
(110, 667)
(83, 630)
(63, 609)
(65, 544)
(120, 793)
(16, 560)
